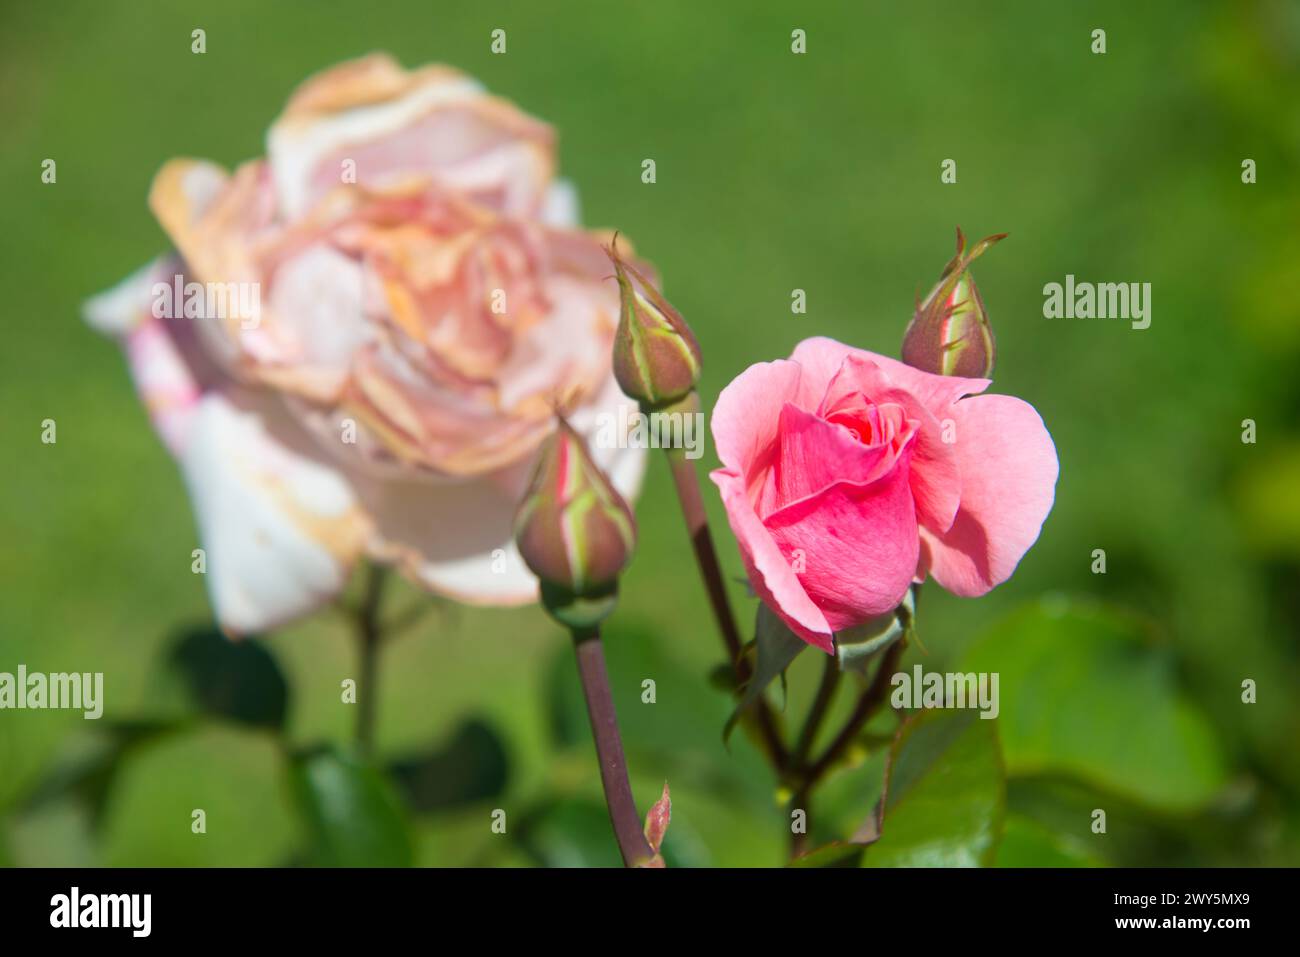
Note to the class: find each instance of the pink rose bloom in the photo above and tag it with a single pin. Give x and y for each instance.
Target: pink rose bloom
(402, 299)
(847, 476)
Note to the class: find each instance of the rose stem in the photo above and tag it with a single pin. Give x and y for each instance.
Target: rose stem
(800, 801)
(697, 526)
(866, 707)
(825, 693)
(870, 700)
(802, 798)
(609, 749)
(369, 637)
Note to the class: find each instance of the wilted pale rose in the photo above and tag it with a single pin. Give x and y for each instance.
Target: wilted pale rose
(387, 311)
(848, 475)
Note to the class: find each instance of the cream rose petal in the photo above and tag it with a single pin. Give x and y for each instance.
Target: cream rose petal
(561, 208)
(168, 386)
(451, 538)
(317, 304)
(280, 530)
(117, 311)
(392, 123)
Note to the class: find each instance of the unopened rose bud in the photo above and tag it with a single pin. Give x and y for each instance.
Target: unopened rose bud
(574, 531)
(950, 332)
(656, 357)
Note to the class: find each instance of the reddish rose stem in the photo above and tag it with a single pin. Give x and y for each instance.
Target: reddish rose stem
(871, 699)
(623, 814)
(697, 526)
(867, 705)
(817, 713)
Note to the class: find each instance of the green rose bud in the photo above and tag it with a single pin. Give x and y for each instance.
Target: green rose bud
(574, 531)
(656, 357)
(950, 333)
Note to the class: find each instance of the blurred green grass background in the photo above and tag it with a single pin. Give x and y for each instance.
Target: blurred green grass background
(775, 172)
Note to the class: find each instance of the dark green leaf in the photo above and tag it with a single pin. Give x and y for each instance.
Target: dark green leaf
(355, 818)
(723, 677)
(776, 647)
(238, 680)
(471, 767)
(946, 796)
(571, 833)
(1026, 843)
(835, 854)
(234, 775)
(1085, 691)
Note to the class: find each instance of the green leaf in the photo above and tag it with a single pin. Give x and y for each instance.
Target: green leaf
(722, 677)
(1266, 499)
(570, 832)
(776, 647)
(85, 770)
(945, 793)
(1026, 843)
(471, 767)
(355, 817)
(1085, 691)
(834, 854)
(59, 833)
(234, 775)
(847, 797)
(238, 680)
(1135, 834)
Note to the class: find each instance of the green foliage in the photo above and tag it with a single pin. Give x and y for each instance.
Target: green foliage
(235, 777)
(1085, 691)
(835, 854)
(773, 650)
(1026, 843)
(945, 794)
(238, 680)
(571, 833)
(472, 766)
(355, 818)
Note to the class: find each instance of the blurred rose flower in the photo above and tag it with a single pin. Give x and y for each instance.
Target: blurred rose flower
(422, 301)
(847, 475)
